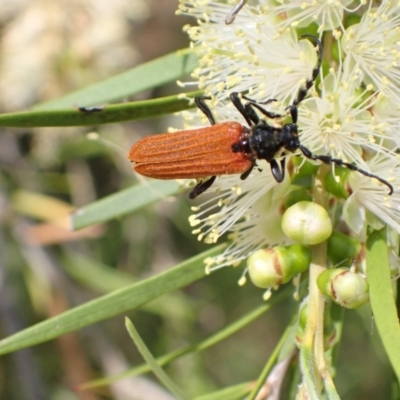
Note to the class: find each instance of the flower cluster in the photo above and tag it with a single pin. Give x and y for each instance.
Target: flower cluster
(352, 113)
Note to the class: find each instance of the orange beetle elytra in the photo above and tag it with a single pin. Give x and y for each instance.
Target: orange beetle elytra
(191, 153)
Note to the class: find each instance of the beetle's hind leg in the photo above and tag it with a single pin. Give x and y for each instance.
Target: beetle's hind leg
(201, 187)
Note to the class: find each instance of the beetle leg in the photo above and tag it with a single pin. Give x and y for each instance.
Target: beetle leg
(302, 93)
(235, 11)
(259, 102)
(203, 107)
(248, 113)
(293, 114)
(267, 113)
(246, 174)
(201, 187)
(278, 171)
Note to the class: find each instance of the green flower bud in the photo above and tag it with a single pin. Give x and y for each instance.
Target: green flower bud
(345, 287)
(270, 267)
(303, 168)
(337, 183)
(342, 249)
(295, 196)
(307, 223)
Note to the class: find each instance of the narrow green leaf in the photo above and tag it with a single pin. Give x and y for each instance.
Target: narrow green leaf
(382, 299)
(110, 305)
(123, 202)
(144, 77)
(105, 279)
(157, 370)
(107, 115)
(235, 392)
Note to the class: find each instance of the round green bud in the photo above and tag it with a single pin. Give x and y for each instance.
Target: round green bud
(345, 287)
(337, 183)
(274, 266)
(303, 168)
(342, 249)
(307, 223)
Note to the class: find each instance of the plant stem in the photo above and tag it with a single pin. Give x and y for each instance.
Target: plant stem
(314, 332)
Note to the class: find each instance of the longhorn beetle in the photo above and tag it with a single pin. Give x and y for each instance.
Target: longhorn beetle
(229, 147)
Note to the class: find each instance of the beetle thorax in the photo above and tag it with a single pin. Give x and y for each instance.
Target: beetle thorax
(289, 137)
(265, 141)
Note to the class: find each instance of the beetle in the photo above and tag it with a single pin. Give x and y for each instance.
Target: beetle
(231, 148)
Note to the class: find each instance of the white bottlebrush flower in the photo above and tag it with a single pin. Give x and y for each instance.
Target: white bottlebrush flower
(386, 115)
(370, 204)
(339, 123)
(373, 47)
(327, 14)
(250, 56)
(260, 55)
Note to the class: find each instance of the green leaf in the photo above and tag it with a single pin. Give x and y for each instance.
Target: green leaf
(382, 298)
(110, 305)
(107, 115)
(235, 392)
(157, 370)
(144, 77)
(123, 202)
(103, 279)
